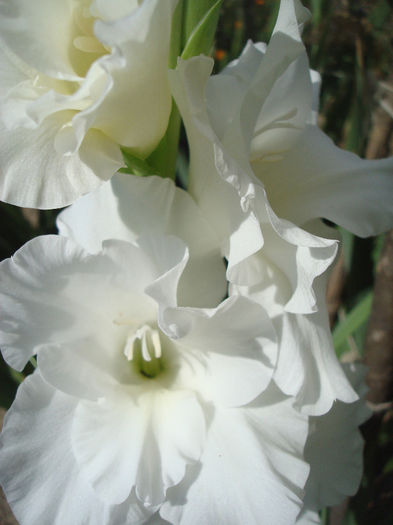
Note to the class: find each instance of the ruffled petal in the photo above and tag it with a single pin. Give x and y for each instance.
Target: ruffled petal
(251, 467)
(300, 256)
(334, 448)
(138, 205)
(284, 113)
(307, 366)
(169, 255)
(136, 109)
(33, 314)
(144, 440)
(317, 179)
(235, 343)
(53, 292)
(243, 216)
(37, 464)
(21, 24)
(35, 174)
(69, 101)
(238, 230)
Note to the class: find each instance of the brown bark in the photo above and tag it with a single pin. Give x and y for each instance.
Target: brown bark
(337, 513)
(379, 339)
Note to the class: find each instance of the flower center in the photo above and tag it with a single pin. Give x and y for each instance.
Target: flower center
(143, 348)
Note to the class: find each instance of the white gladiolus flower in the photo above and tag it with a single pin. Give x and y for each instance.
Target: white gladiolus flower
(79, 79)
(147, 406)
(264, 174)
(250, 470)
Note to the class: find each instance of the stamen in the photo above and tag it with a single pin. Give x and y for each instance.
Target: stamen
(143, 348)
(88, 44)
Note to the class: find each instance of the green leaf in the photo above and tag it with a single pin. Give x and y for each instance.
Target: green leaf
(324, 515)
(177, 34)
(8, 385)
(380, 14)
(316, 10)
(137, 166)
(389, 466)
(353, 321)
(201, 38)
(349, 518)
(182, 170)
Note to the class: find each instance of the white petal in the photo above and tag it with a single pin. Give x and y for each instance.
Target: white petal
(291, 17)
(299, 255)
(306, 344)
(46, 50)
(334, 448)
(271, 288)
(238, 231)
(12, 70)
(308, 517)
(251, 469)
(143, 442)
(53, 292)
(116, 9)
(284, 48)
(85, 369)
(138, 205)
(302, 256)
(169, 256)
(236, 344)
(284, 113)
(295, 258)
(317, 179)
(140, 93)
(63, 137)
(34, 174)
(225, 92)
(316, 88)
(39, 474)
(32, 313)
(307, 365)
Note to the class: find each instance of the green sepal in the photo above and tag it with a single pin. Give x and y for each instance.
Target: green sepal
(201, 39)
(136, 165)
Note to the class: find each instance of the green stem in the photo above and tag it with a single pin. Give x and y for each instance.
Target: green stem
(193, 29)
(163, 158)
